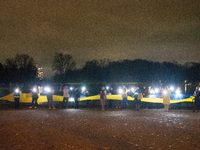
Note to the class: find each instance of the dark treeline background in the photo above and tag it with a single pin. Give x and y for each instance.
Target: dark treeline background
(21, 69)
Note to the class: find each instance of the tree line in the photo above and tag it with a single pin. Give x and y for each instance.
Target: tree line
(21, 69)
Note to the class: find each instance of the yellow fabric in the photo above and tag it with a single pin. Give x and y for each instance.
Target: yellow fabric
(166, 97)
(27, 98)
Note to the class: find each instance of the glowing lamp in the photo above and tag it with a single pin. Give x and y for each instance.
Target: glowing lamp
(34, 90)
(172, 88)
(47, 89)
(152, 91)
(17, 90)
(83, 89)
(165, 92)
(107, 88)
(120, 91)
(71, 88)
(157, 90)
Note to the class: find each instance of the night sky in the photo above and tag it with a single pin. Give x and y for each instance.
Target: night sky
(158, 30)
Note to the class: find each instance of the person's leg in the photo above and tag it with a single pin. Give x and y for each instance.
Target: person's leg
(52, 104)
(63, 103)
(102, 104)
(104, 101)
(126, 101)
(16, 102)
(32, 104)
(167, 107)
(66, 104)
(194, 106)
(49, 103)
(36, 104)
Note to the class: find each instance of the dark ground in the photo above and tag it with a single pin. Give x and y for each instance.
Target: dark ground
(92, 129)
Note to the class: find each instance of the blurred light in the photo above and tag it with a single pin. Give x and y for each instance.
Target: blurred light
(132, 89)
(34, 90)
(156, 90)
(178, 91)
(128, 90)
(172, 88)
(17, 90)
(83, 89)
(165, 92)
(152, 91)
(47, 89)
(71, 99)
(120, 91)
(71, 88)
(107, 88)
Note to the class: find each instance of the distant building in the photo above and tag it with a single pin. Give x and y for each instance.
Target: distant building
(39, 73)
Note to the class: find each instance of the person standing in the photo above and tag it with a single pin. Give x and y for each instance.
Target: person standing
(166, 98)
(110, 102)
(50, 93)
(76, 98)
(138, 96)
(65, 97)
(17, 97)
(103, 98)
(196, 99)
(34, 97)
(124, 97)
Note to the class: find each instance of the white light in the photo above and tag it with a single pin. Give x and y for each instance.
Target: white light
(107, 88)
(157, 90)
(178, 93)
(17, 90)
(152, 91)
(172, 88)
(165, 92)
(47, 89)
(132, 89)
(71, 88)
(128, 90)
(71, 99)
(120, 91)
(34, 90)
(83, 89)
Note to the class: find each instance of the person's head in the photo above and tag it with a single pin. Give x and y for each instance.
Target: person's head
(103, 88)
(197, 88)
(124, 86)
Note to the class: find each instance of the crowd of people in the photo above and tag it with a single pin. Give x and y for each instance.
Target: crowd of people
(75, 93)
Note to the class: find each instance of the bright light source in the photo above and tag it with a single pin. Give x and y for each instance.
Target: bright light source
(132, 89)
(34, 90)
(107, 88)
(17, 90)
(71, 88)
(152, 92)
(165, 92)
(157, 90)
(83, 89)
(178, 93)
(47, 89)
(172, 88)
(120, 91)
(128, 90)
(71, 99)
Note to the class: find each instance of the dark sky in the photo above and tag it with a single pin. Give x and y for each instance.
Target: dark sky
(158, 30)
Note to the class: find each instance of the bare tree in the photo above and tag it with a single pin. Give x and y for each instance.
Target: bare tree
(63, 63)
